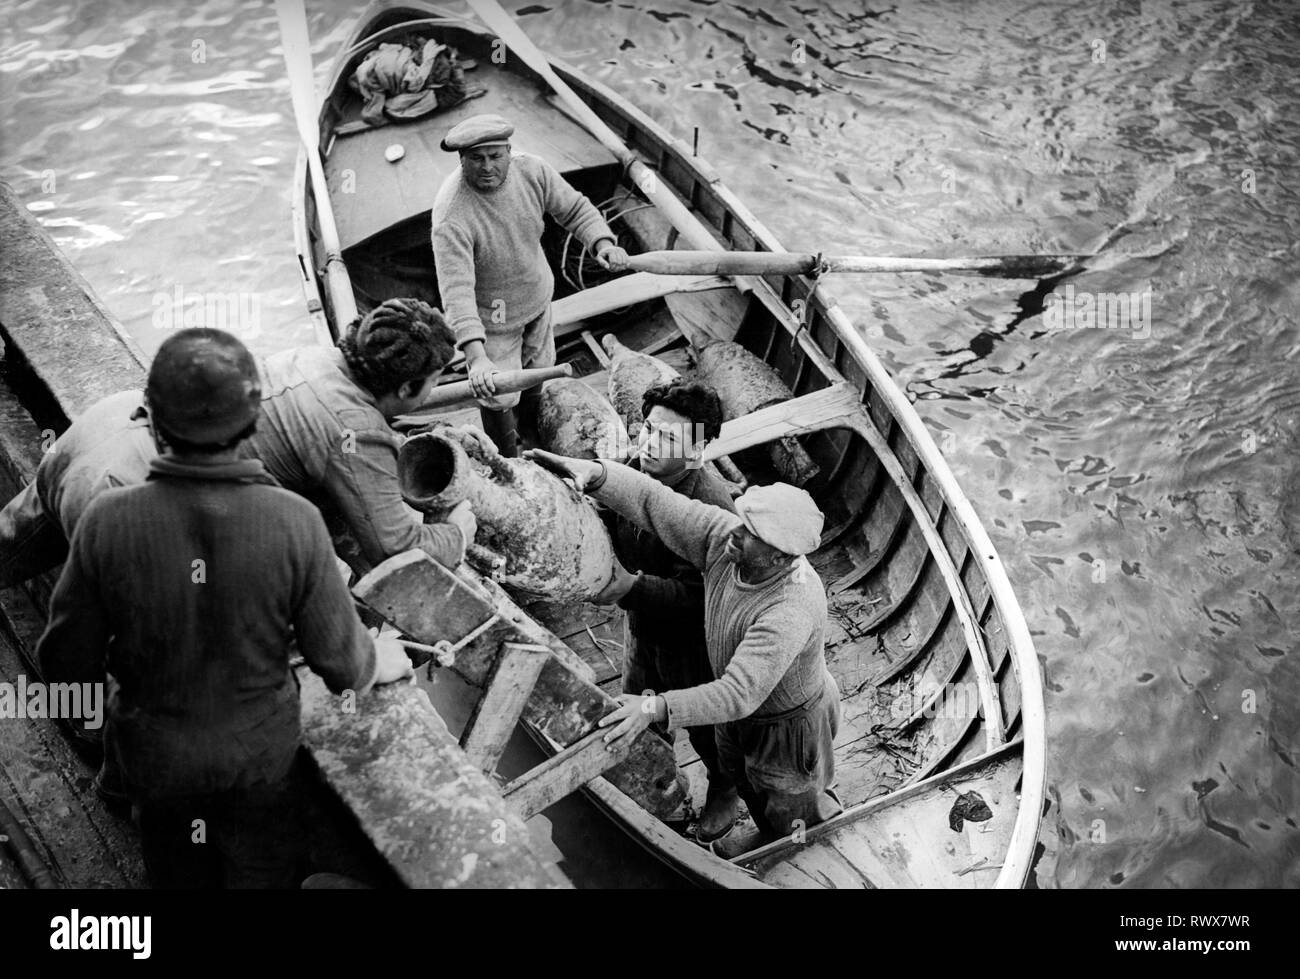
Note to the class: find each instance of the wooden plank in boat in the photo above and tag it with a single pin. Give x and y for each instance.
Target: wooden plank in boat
(561, 774)
(602, 661)
(908, 839)
(716, 313)
(828, 407)
(566, 619)
(820, 866)
(570, 313)
(430, 603)
(497, 712)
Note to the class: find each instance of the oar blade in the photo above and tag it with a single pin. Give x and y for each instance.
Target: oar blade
(1026, 266)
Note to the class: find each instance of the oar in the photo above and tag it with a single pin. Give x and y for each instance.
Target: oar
(507, 382)
(789, 263)
(687, 225)
(297, 59)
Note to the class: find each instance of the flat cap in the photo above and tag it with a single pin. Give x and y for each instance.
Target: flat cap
(783, 516)
(482, 130)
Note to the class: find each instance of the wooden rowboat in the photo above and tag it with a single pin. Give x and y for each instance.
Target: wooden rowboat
(940, 757)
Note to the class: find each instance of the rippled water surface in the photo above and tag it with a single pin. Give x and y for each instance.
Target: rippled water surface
(1142, 489)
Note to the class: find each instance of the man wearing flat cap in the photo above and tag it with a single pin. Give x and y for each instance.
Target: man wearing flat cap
(495, 282)
(775, 704)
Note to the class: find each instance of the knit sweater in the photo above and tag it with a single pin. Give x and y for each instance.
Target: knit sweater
(492, 273)
(665, 606)
(321, 435)
(188, 589)
(766, 641)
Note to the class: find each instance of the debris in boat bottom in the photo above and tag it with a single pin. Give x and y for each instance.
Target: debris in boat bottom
(968, 806)
(981, 864)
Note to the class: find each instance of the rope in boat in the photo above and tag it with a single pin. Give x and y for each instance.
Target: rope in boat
(577, 264)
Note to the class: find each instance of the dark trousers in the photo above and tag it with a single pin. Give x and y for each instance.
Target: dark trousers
(31, 541)
(649, 667)
(247, 838)
(784, 765)
(508, 414)
(505, 427)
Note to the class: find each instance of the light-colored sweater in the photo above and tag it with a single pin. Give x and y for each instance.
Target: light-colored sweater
(766, 642)
(492, 274)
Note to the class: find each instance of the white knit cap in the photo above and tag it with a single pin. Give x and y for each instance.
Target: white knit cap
(783, 516)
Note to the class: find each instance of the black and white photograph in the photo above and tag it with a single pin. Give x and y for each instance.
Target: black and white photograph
(651, 445)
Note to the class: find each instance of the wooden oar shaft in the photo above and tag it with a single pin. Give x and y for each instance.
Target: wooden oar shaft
(790, 263)
(297, 59)
(507, 382)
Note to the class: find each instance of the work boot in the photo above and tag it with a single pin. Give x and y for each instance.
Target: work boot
(740, 840)
(721, 805)
(530, 403)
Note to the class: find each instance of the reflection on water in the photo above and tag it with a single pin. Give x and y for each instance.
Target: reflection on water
(1141, 490)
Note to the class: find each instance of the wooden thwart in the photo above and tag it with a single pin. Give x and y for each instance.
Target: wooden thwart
(833, 407)
(498, 710)
(431, 603)
(556, 777)
(569, 315)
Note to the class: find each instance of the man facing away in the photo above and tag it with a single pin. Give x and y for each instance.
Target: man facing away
(775, 704)
(494, 279)
(664, 631)
(188, 588)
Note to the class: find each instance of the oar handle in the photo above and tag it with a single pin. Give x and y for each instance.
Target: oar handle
(507, 382)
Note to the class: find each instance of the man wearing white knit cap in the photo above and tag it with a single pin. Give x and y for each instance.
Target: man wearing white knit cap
(775, 704)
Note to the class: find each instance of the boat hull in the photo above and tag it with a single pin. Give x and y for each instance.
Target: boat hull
(910, 568)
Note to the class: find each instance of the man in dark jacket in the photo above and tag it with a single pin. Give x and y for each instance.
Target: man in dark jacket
(664, 634)
(187, 589)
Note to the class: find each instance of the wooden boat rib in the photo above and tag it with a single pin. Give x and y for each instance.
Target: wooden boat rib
(942, 701)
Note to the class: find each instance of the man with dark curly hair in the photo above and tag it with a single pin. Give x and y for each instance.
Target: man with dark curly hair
(664, 599)
(325, 430)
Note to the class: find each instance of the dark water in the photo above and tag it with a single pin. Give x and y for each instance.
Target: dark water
(1141, 485)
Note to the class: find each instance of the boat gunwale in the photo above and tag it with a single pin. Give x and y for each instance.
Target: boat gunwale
(1020, 852)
